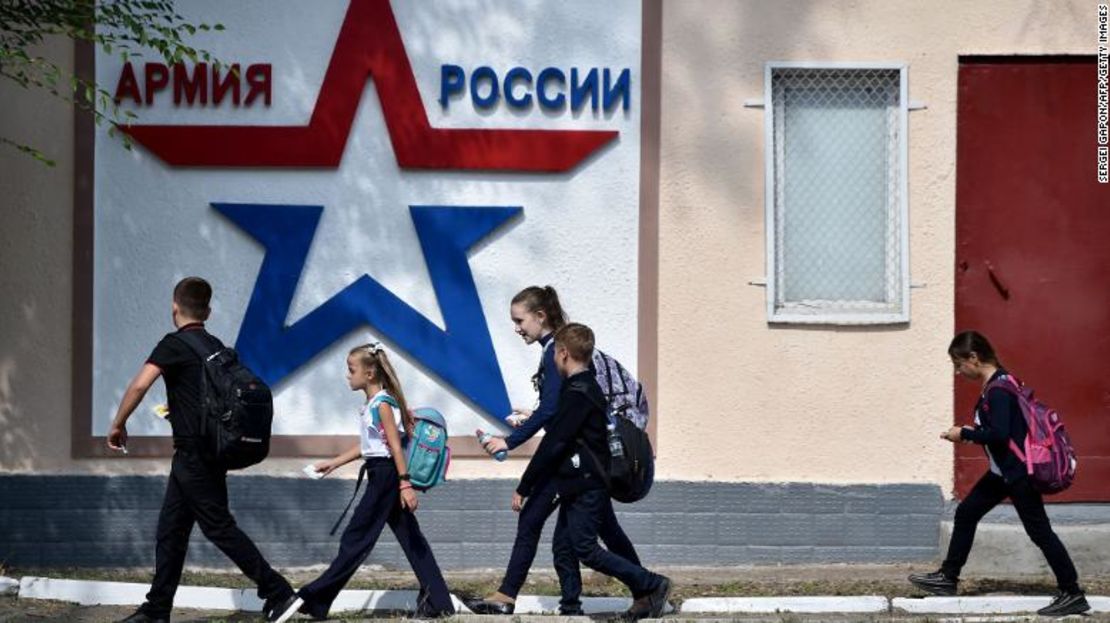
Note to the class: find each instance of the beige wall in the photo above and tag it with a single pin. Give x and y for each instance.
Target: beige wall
(736, 400)
(811, 404)
(35, 266)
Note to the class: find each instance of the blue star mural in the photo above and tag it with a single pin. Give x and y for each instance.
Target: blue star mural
(462, 355)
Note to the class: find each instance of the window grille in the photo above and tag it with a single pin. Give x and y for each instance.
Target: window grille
(836, 207)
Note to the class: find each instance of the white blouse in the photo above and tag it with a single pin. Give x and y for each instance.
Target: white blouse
(370, 425)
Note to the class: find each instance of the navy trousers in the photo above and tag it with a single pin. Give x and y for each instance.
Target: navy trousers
(988, 493)
(197, 494)
(380, 505)
(538, 507)
(576, 534)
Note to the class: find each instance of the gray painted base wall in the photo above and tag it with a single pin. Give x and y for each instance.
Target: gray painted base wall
(110, 521)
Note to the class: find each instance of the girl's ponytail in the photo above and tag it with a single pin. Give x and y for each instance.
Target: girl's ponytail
(543, 299)
(389, 380)
(373, 357)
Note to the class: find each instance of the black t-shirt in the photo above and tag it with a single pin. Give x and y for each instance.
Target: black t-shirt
(183, 374)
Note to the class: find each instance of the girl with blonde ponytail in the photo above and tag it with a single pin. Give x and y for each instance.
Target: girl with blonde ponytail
(389, 496)
(377, 360)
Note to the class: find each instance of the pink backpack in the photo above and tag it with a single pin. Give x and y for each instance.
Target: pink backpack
(1048, 454)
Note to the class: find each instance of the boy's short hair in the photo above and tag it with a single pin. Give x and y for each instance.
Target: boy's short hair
(578, 339)
(192, 295)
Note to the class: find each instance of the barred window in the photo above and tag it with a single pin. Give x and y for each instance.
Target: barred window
(837, 231)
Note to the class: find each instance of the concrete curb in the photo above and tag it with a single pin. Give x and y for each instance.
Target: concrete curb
(801, 605)
(94, 593)
(989, 604)
(544, 604)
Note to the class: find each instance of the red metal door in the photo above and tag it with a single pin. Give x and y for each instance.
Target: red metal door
(1033, 247)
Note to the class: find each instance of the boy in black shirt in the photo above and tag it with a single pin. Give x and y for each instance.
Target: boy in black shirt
(197, 489)
(575, 449)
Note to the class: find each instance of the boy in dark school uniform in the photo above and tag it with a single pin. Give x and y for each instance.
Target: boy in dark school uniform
(197, 489)
(575, 449)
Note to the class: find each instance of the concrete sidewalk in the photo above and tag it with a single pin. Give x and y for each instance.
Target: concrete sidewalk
(13, 610)
(784, 593)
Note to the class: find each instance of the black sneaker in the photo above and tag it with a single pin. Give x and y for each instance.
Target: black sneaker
(571, 612)
(935, 583)
(1065, 604)
(141, 617)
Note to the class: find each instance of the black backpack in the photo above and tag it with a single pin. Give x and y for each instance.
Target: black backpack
(238, 406)
(630, 471)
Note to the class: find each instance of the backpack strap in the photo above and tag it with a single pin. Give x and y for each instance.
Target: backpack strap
(358, 483)
(609, 392)
(196, 344)
(580, 387)
(378, 400)
(608, 374)
(604, 473)
(1009, 384)
(391, 401)
(621, 373)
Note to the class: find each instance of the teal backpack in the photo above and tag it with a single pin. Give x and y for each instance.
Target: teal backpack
(426, 452)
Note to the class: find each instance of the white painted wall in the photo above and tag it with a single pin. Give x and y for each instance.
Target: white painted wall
(154, 224)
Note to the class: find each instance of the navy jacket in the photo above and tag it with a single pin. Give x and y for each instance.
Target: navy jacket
(548, 383)
(1000, 421)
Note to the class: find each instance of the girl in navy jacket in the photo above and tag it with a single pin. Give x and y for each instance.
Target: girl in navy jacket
(537, 314)
(998, 421)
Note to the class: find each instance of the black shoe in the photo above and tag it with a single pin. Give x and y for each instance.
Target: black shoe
(426, 611)
(658, 598)
(141, 617)
(935, 583)
(651, 606)
(571, 612)
(1065, 604)
(283, 610)
(485, 606)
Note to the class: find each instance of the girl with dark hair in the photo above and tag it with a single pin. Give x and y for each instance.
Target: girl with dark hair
(537, 314)
(389, 497)
(999, 422)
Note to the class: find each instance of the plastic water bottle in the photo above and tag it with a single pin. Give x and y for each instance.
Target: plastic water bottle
(616, 446)
(484, 437)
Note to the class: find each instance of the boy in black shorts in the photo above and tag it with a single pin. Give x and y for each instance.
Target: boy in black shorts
(575, 449)
(197, 489)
